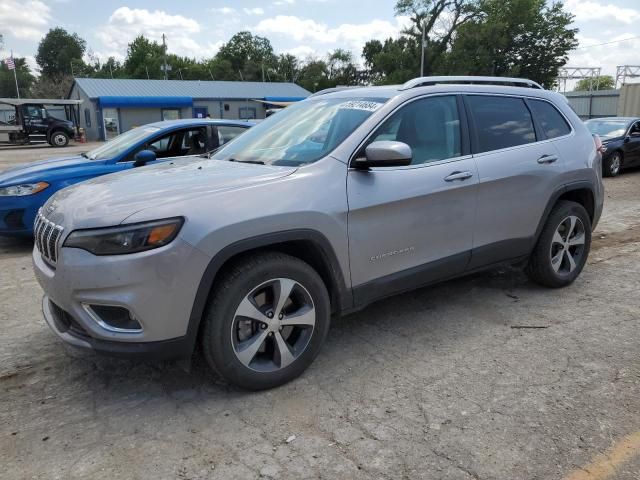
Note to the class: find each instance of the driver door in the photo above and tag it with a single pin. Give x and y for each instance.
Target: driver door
(413, 225)
(632, 145)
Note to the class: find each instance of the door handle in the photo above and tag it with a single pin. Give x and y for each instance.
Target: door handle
(547, 159)
(458, 176)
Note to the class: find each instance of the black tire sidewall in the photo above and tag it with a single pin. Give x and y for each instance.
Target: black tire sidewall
(220, 314)
(543, 249)
(66, 139)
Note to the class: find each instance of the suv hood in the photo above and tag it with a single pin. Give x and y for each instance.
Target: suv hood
(39, 171)
(111, 199)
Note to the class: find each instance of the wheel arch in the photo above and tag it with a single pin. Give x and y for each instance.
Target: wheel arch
(579, 192)
(309, 246)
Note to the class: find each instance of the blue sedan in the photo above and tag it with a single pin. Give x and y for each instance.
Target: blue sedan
(24, 189)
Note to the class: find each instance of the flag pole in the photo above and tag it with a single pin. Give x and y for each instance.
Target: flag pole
(15, 76)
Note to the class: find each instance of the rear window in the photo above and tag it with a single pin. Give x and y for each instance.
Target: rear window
(500, 122)
(552, 122)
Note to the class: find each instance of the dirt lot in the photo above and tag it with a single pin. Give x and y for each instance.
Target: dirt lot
(433, 384)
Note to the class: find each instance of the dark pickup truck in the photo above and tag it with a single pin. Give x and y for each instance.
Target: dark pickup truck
(32, 123)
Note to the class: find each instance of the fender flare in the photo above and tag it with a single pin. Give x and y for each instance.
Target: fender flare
(343, 295)
(569, 187)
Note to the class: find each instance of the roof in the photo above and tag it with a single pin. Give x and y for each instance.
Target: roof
(199, 121)
(38, 101)
(99, 87)
(622, 119)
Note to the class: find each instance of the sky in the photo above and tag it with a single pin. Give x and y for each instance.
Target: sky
(197, 28)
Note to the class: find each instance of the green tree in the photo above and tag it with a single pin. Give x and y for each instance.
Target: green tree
(58, 50)
(603, 82)
(519, 38)
(249, 55)
(395, 61)
(8, 83)
(52, 87)
(144, 59)
(440, 20)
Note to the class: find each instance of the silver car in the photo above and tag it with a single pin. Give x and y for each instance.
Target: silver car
(343, 199)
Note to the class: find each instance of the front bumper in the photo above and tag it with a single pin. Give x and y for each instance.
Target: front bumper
(17, 214)
(157, 287)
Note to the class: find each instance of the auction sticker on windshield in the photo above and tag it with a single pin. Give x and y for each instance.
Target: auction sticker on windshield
(366, 105)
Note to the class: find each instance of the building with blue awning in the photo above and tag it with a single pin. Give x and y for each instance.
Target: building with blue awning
(113, 106)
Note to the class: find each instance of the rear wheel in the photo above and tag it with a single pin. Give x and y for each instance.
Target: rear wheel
(266, 322)
(611, 166)
(563, 246)
(59, 139)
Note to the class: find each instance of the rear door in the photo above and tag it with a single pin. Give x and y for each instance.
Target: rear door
(413, 225)
(519, 170)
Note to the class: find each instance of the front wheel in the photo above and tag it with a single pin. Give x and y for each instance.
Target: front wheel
(266, 322)
(611, 166)
(563, 246)
(59, 139)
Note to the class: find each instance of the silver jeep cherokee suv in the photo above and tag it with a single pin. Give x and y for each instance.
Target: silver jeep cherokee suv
(342, 199)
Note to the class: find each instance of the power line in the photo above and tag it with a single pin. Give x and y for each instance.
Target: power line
(606, 43)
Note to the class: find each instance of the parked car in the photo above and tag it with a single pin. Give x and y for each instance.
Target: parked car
(621, 141)
(25, 188)
(251, 252)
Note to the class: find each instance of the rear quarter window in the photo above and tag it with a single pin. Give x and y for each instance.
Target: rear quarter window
(500, 122)
(552, 122)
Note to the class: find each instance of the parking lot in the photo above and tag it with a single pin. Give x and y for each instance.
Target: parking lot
(485, 377)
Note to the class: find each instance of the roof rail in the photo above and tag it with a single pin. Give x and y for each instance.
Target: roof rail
(334, 89)
(513, 82)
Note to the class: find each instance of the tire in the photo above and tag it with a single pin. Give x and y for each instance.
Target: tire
(59, 139)
(569, 226)
(252, 287)
(611, 166)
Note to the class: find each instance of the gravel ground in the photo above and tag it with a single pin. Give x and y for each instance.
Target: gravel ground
(433, 384)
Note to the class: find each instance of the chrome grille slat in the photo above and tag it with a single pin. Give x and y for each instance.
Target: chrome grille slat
(47, 235)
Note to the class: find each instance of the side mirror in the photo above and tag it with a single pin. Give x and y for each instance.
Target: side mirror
(385, 154)
(143, 157)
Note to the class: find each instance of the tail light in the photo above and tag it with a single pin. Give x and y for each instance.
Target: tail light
(599, 146)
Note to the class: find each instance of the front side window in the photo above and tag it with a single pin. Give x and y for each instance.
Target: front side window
(430, 126)
(500, 122)
(552, 122)
(302, 133)
(226, 133)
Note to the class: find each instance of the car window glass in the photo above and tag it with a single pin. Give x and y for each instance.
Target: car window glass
(635, 129)
(194, 141)
(227, 133)
(552, 122)
(500, 122)
(430, 126)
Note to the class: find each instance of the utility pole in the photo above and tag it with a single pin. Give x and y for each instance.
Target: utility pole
(422, 50)
(147, 69)
(262, 72)
(210, 74)
(110, 70)
(164, 55)
(15, 75)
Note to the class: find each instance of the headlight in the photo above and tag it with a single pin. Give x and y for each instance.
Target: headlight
(136, 237)
(22, 190)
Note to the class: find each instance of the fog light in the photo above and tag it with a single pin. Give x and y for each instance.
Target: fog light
(117, 319)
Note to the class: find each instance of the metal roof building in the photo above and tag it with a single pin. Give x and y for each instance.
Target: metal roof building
(112, 106)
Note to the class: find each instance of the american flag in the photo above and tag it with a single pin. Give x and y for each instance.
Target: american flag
(10, 63)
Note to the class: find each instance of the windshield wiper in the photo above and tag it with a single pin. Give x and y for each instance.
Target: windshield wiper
(83, 154)
(255, 162)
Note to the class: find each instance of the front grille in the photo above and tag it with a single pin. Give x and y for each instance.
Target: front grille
(46, 236)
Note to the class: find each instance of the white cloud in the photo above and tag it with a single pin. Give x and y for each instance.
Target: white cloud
(303, 51)
(253, 11)
(223, 10)
(350, 36)
(587, 10)
(126, 23)
(279, 3)
(24, 20)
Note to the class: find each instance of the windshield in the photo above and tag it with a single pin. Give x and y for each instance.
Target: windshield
(302, 133)
(120, 143)
(607, 128)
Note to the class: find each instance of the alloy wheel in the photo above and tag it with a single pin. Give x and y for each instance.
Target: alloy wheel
(567, 245)
(272, 325)
(615, 164)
